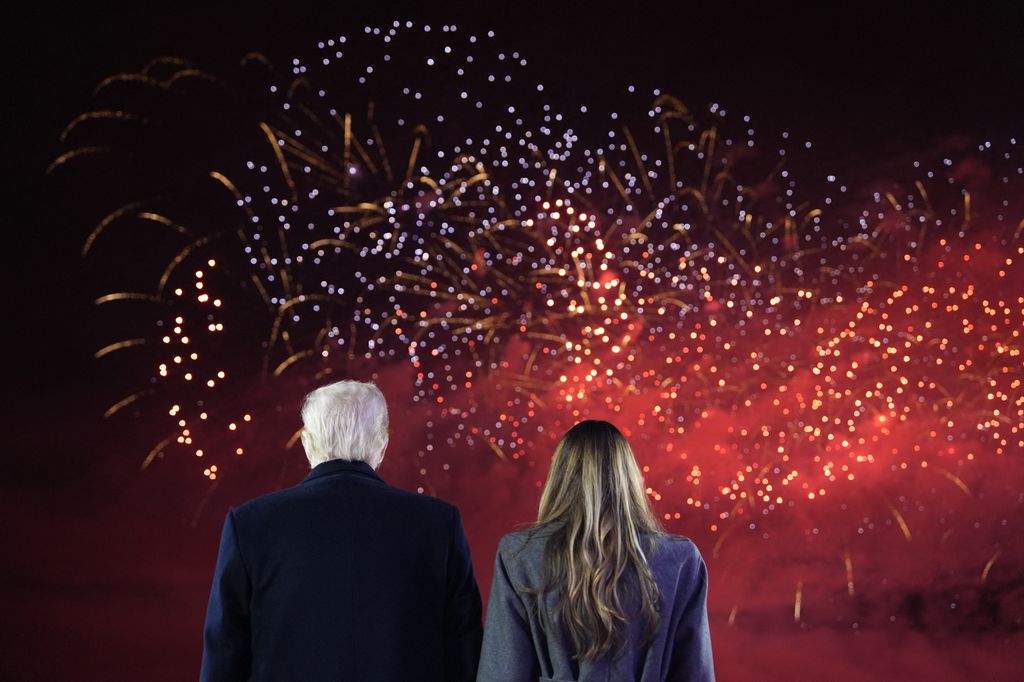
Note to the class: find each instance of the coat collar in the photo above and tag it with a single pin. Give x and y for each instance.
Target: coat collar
(335, 467)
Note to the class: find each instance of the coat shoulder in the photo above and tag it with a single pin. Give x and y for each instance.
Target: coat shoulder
(295, 497)
(676, 549)
(678, 545)
(264, 503)
(676, 559)
(523, 545)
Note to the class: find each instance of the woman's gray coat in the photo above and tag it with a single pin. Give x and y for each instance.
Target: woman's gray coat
(516, 647)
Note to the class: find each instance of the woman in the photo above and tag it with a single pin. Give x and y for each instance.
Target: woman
(596, 590)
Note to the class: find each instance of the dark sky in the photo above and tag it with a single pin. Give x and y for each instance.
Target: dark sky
(861, 82)
(864, 83)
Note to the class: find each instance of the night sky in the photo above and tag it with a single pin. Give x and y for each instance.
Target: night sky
(107, 568)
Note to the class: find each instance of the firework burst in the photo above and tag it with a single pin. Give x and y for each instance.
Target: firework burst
(768, 335)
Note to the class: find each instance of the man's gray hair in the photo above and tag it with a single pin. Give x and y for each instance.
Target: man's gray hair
(345, 420)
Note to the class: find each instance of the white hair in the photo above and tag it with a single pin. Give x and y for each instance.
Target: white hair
(345, 420)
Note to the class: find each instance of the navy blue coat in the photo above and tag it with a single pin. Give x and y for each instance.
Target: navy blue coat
(522, 644)
(343, 577)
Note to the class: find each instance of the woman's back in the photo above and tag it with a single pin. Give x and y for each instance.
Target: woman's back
(521, 643)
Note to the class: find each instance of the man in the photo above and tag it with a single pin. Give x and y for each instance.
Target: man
(343, 577)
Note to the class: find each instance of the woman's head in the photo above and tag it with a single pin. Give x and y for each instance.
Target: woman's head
(595, 476)
(596, 492)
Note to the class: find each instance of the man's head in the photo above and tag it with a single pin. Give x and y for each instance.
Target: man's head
(345, 420)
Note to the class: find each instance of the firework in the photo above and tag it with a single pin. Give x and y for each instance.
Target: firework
(767, 334)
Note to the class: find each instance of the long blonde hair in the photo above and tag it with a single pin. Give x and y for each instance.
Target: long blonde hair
(596, 493)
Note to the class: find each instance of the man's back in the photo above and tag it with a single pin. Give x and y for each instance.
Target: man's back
(343, 577)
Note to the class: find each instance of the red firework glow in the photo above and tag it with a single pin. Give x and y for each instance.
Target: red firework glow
(822, 382)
